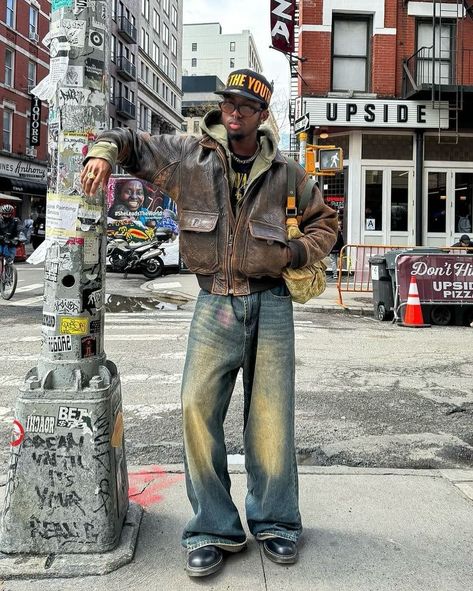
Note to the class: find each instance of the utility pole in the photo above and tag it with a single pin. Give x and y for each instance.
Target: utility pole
(67, 487)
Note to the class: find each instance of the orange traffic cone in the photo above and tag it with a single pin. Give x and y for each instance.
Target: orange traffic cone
(413, 315)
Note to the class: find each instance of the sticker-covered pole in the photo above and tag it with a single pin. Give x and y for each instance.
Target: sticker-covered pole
(67, 488)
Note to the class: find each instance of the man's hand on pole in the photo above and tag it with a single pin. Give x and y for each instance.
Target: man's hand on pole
(96, 172)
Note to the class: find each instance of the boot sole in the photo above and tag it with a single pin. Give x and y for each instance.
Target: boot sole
(204, 571)
(278, 558)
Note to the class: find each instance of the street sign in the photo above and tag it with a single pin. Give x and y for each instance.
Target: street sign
(302, 124)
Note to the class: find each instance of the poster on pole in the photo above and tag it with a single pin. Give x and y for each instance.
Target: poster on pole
(282, 25)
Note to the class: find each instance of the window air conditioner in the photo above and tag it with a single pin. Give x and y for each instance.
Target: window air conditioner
(31, 151)
(33, 36)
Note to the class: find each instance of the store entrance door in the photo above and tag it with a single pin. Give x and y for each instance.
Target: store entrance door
(388, 206)
(448, 206)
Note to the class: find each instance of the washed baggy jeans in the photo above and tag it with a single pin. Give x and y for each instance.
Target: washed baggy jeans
(255, 333)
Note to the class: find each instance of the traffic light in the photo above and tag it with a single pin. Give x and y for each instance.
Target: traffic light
(330, 159)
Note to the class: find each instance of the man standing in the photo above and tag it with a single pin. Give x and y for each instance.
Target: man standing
(9, 232)
(230, 186)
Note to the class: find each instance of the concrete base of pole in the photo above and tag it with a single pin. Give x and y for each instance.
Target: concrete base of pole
(29, 566)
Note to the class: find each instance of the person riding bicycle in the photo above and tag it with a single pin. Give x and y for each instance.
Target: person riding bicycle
(9, 232)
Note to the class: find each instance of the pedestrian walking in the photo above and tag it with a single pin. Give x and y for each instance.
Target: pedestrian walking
(230, 186)
(335, 252)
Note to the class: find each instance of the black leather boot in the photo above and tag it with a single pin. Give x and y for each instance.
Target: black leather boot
(280, 550)
(204, 561)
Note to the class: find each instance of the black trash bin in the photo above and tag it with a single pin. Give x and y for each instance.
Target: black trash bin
(383, 292)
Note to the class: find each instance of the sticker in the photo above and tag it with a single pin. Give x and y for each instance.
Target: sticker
(73, 417)
(49, 320)
(96, 39)
(74, 76)
(71, 141)
(75, 31)
(67, 306)
(40, 424)
(91, 250)
(65, 261)
(92, 300)
(61, 213)
(117, 435)
(51, 270)
(89, 347)
(18, 433)
(95, 326)
(56, 4)
(46, 89)
(73, 325)
(73, 96)
(59, 344)
(79, 6)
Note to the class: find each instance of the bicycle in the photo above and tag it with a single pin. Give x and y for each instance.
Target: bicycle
(8, 278)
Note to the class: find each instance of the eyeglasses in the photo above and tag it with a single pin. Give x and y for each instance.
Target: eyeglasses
(245, 110)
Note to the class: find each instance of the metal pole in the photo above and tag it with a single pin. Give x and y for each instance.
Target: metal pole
(67, 488)
(419, 190)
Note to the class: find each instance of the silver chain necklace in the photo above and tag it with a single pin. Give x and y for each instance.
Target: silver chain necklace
(245, 160)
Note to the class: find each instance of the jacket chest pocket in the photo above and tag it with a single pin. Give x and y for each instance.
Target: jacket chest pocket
(198, 240)
(265, 249)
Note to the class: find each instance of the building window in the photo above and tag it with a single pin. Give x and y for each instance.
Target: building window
(374, 200)
(232, 62)
(143, 117)
(165, 34)
(155, 54)
(184, 126)
(10, 16)
(165, 64)
(112, 89)
(435, 68)
(174, 73)
(196, 126)
(145, 9)
(232, 45)
(9, 67)
(31, 75)
(194, 62)
(437, 202)
(194, 47)
(156, 22)
(7, 129)
(173, 45)
(144, 41)
(33, 20)
(174, 16)
(166, 6)
(113, 48)
(350, 53)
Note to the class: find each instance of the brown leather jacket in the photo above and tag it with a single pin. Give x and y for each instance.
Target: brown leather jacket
(230, 254)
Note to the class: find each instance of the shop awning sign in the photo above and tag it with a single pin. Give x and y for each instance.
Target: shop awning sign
(374, 113)
(441, 278)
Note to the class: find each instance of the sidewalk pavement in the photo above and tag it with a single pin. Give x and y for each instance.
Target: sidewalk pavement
(364, 530)
(184, 287)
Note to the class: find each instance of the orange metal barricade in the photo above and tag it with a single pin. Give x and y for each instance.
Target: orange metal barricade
(354, 268)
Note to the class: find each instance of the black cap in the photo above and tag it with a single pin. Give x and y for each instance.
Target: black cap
(465, 238)
(249, 84)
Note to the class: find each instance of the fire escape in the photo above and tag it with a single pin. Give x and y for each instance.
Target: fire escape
(441, 69)
(294, 72)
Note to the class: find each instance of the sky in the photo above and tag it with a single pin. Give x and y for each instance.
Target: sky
(236, 15)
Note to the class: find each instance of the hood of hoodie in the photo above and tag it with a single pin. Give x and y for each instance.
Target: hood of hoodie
(212, 126)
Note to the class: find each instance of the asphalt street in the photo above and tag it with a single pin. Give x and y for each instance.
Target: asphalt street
(369, 394)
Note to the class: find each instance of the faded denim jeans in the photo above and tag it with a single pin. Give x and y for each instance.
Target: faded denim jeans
(255, 333)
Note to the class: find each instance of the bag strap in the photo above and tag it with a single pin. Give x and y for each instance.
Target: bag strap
(294, 209)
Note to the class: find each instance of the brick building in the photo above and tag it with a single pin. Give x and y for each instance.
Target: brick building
(23, 62)
(391, 82)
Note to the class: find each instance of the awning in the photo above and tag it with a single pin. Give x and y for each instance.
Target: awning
(22, 186)
(9, 197)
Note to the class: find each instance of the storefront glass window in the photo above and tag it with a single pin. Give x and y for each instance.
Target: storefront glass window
(399, 200)
(437, 202)
(463, 202)
(374, 200)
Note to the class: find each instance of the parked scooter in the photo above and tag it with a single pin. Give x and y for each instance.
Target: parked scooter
(143, 257)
